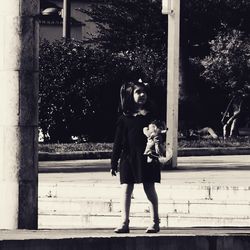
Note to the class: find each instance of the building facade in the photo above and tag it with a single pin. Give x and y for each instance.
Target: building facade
(51, 21)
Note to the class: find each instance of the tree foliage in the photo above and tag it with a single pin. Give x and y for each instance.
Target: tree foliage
(77, 81)
(127, 24)
(228, 64)
(68, 87)
(226, 70)
(202, 21)
(135, 29)
(79, 87)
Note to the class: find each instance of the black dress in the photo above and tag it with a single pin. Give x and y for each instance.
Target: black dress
(129, 146)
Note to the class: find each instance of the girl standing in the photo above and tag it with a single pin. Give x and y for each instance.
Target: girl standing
(129, 146)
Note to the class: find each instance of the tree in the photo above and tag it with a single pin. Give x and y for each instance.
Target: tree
(202, 19)
(128, 25)
(131, 44)
(136, 32)
(133, 28)
(227, 67)
(200, 23)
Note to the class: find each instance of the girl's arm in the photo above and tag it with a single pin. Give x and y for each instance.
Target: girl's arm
(117, 146)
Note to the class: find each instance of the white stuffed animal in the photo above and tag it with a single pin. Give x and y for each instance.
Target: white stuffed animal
(155, 148)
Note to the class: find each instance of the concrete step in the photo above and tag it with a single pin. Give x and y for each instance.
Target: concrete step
(170, 192)
(187, 220)
(82, 213)
(104, 220)
(81, 205)
(109, 220)
(105, 239)
(56, 206)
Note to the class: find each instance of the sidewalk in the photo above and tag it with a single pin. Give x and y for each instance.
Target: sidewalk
(217, 170)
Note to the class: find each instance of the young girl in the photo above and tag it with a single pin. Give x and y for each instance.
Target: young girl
(129, 146)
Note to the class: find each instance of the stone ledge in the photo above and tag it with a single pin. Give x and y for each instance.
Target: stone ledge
(171, 239)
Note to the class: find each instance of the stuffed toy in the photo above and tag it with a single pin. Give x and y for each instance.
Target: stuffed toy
(155, 148)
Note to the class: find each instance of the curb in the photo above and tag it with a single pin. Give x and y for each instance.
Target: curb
(44, 156)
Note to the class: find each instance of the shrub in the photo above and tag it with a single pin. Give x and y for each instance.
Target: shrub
(68, 83)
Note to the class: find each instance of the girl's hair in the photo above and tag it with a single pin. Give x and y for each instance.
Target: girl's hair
(127, 103)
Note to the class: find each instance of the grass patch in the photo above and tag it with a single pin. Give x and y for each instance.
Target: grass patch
(72, 147)
(88, 146)
(206, 143)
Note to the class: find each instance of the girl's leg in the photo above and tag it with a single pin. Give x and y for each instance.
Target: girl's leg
(127, 190)
(150, 191)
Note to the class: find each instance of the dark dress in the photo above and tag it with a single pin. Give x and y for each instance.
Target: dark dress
(129, 146)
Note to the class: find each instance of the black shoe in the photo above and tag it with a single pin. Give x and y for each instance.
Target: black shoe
(124, 228)
(154, 228)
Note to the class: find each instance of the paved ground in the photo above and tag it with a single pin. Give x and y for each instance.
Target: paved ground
(216, 170)
(104, 233)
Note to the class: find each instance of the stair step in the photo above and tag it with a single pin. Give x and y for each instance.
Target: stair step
(185, 220)
(171, 192)
(141, 220)
(88, 221)
(83, 206)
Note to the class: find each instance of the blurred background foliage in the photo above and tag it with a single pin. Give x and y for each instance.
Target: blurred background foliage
(79, 81)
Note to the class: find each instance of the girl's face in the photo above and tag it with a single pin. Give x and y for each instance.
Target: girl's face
(139, 95)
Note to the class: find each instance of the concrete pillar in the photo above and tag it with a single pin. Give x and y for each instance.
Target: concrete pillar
(18, 113)
(172, 9)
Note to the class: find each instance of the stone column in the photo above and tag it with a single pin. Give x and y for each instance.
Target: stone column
(19, 34)
(172, 9)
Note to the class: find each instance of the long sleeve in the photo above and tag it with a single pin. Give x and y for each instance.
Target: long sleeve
(118, 143)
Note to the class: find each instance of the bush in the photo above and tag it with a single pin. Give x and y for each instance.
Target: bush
(79, 87)
(68, 86)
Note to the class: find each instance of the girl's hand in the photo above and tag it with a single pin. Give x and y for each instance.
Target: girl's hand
(156, 139)
(113, 172)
